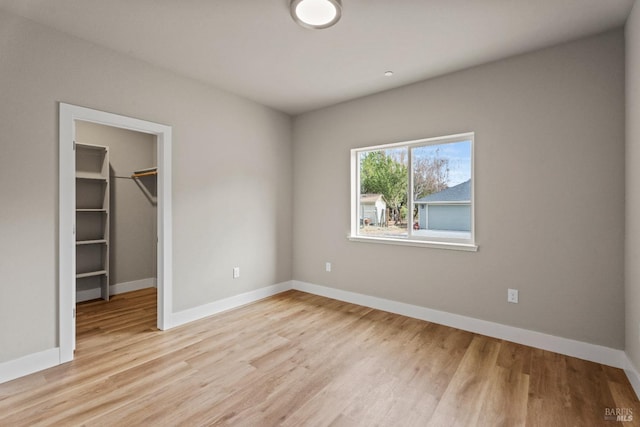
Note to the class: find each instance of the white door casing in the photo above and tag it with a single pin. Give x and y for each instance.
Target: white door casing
(69, 114)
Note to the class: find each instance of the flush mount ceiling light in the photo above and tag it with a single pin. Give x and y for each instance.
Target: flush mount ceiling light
(316, 14)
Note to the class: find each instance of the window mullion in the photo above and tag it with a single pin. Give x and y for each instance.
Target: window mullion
(356, 219)
(409, 194)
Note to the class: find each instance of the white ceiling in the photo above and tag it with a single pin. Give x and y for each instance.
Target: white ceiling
(254, 49)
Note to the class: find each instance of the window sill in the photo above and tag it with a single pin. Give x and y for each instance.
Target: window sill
(417, 243)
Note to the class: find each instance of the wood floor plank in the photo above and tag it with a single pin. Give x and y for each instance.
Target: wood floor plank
(332, 402)
(626, 403)
(297, 359)
(505, 404)
(465, 395)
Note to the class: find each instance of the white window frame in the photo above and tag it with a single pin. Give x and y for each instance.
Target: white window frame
(411, 240)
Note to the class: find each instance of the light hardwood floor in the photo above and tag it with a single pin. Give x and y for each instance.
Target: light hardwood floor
(301, 360)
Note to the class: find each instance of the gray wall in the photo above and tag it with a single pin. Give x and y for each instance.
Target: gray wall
(549, 182)
(227, 151)
(133, 215)
(632, 247)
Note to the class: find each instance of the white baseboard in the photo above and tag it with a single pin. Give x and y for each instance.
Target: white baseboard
(118, 288)
(29, 364)
(135, 285)
(566, 346)
(633, 375)
(206, 310)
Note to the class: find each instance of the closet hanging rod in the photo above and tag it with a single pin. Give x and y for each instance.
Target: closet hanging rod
(145, 172)
(141, 174)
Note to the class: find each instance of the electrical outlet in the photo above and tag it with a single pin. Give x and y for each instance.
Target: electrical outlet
(327, 267)
(512, 295)
(236, 272)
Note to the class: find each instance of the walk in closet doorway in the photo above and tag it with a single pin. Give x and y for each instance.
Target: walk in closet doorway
(115, 211)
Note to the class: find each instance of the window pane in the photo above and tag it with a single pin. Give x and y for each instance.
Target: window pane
(382, 204)
(442, 190)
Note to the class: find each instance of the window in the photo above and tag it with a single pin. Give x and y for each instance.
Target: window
(418, 193)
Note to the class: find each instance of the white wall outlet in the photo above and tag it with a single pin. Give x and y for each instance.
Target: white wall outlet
(512, 295)
(236, 272)
(327, 267)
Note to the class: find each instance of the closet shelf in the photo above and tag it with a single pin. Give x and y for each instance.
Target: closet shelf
(91, 176)
(91, 146)
(91, 274)
(91, 242)
(92, 216)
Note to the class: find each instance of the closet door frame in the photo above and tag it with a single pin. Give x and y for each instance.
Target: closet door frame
(69, 114)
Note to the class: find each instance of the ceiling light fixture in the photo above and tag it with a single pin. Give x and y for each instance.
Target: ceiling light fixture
(388, 73)
(316, 14)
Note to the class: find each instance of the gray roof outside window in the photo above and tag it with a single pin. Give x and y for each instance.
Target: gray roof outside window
(457, 193)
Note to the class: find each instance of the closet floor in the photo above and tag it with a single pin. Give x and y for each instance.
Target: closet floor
(100, 322)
